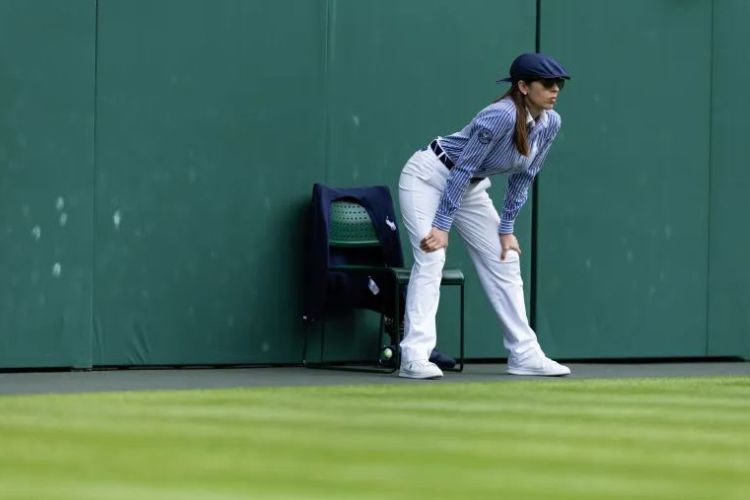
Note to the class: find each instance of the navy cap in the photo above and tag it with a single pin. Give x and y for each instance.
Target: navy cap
(535, 66)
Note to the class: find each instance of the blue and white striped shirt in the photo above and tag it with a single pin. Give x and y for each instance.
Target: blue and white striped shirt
(485, 147)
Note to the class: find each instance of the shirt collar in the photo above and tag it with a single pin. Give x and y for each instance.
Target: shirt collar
(543, 119)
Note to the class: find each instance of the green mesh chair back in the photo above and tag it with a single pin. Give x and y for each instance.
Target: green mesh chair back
(351, 226)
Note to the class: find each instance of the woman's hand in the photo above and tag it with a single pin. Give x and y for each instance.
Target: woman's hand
(508, 242)
(436, 240)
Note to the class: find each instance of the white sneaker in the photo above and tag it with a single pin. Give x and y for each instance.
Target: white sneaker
(538, 365)
(420, 369)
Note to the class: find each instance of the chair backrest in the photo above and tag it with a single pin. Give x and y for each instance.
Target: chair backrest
(351, 226)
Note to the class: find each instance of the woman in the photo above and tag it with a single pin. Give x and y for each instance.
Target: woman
(445, 185)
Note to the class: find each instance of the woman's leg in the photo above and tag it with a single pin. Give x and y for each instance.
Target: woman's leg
(477, 223)
(420, 188)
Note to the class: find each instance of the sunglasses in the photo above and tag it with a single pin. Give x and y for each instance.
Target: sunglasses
(548, 83)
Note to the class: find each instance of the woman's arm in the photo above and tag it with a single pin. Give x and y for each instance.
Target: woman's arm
(517, 190)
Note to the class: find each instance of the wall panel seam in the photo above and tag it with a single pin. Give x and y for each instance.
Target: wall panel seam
(711, 72)
(533, 271)
(94, 173)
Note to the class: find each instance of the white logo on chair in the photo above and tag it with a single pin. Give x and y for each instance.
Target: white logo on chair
(374, 288)
(390, 223)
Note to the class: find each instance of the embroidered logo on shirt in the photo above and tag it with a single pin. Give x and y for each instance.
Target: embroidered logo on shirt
(484, 135)
(390, 223)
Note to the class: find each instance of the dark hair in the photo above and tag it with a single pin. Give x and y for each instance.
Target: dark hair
(521, 135)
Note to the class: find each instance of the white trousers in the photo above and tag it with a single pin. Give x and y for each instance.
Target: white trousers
(421, 186)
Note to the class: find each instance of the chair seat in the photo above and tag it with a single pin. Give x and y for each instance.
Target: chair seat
(402, 274)
(450, 276)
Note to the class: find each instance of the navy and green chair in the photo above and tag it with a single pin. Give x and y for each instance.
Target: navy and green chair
(354, 261)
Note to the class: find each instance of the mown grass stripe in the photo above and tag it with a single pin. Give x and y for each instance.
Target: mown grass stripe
(672, 438)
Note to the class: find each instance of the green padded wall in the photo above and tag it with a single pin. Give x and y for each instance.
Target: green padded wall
(729, 243)
(209, 138)
(157, 156)
(623, 220)
(401, 73)
(46, 181)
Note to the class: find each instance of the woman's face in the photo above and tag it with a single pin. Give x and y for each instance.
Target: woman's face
(542, 94)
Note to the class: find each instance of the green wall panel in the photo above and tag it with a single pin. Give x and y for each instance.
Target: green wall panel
(729, 243)
(209, 138)
(623, 221)
(46, 180)
(401, 73)
(156, 159)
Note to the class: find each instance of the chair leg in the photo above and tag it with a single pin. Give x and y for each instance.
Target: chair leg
(305, 347)
(461, 327)
(381, 331)
(380, 348)
(322, 341)
(460, 364)
(397, 326)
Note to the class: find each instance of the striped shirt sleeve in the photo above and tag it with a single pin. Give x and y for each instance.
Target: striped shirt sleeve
(517, 191)
(487, 129)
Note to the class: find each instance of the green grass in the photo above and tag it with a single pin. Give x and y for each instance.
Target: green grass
(562, 439)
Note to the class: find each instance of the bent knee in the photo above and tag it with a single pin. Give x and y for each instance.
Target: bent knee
(429, 262)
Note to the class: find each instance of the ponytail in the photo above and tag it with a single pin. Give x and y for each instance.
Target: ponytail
(521, 134)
